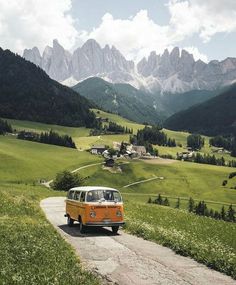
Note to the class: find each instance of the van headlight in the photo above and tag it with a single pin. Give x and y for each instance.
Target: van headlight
(92, 214)
(118, 213)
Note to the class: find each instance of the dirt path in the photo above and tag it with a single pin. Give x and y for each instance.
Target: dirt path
(47, 184)
(125, 259)
(143, 181)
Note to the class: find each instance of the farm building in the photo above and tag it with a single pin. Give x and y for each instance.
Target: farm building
(98, 149)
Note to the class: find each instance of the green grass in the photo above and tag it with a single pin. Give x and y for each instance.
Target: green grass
(35, 249)
(119, 120)
(40, 127)
(206, 240)
(24, 161)
(84, 141)
(181, 179)
(31, 251)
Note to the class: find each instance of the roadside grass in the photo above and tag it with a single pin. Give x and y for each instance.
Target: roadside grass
(31, 251)
(208, 241)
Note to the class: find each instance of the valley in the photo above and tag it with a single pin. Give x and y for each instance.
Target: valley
(117, 142)
(24, 164)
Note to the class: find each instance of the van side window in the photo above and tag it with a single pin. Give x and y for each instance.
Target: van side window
(77, 194)
(82, 197)
(70, 194)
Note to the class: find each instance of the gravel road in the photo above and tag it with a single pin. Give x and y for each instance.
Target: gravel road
(126, 259)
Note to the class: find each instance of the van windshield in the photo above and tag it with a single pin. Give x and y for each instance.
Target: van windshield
(103, 195)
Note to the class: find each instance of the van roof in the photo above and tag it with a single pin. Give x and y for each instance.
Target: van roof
(90, 188)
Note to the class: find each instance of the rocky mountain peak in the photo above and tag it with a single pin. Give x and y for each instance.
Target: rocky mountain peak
(173, 71)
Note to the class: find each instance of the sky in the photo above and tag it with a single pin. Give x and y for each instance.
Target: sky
(206, 28)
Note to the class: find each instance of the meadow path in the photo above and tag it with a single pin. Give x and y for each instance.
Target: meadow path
(47, 184)
(125, 259)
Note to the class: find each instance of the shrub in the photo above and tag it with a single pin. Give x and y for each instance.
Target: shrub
(224, 183)
(66, 180)
(232, 175)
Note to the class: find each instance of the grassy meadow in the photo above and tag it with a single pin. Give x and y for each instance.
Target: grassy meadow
(181, 179)
(31, 251)
(29, 246)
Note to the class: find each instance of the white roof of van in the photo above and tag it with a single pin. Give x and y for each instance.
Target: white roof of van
(90, 188)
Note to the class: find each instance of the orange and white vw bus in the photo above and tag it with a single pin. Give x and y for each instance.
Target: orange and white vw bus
(95, 206)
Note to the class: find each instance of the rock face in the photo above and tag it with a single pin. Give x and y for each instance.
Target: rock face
(171, 72)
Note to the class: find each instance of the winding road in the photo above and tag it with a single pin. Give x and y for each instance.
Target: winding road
(128, 260)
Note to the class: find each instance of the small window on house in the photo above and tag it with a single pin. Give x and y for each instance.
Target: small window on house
(77, 194)
(82, 197)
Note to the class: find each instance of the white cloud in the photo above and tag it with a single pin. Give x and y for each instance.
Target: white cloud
(134, 37)
(28, 23)
(138, 36)
(205, 18)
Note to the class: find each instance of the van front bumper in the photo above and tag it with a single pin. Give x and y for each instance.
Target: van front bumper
(104, 224)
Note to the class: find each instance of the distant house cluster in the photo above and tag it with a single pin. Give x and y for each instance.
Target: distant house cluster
(121, 150)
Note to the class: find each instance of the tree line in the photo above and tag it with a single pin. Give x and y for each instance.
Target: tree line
(111, 128)
(195, 141)
(50, 137)
(152, 135)
(5, 127)
(200, 209)
(208, 159)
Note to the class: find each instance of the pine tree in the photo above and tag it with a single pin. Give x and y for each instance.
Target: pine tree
(231, 214)
(223, 213)
(177, 206)
(190, 205)
(166, 202)
(159, 200)
(149, 200)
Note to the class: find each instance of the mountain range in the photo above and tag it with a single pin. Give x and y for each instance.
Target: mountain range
(171, 72)
(28, 93)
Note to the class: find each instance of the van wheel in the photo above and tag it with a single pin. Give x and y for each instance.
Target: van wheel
(81, 226)
(70, 221)
(115, 229)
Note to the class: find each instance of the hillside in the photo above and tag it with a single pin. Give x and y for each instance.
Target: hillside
(173, 103)
(215, 116)
(122, 99)
(27, 93)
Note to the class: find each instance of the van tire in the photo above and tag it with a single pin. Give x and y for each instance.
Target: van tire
(70, 222)
(115, 229)
(81, 226)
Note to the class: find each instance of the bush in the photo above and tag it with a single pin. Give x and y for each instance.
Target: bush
(66, 180)
(224, 183)
(232, 175)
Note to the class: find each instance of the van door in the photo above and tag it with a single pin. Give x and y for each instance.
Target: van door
(82, 211)
(76, 208)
